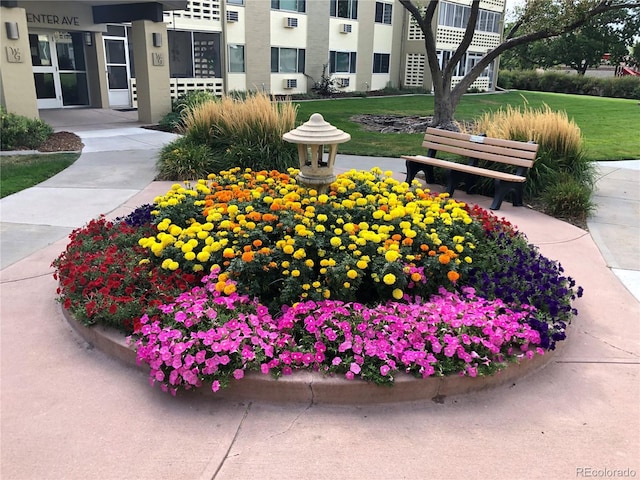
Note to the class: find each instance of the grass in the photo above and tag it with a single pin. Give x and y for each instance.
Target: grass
(18, 172)
(609, 125)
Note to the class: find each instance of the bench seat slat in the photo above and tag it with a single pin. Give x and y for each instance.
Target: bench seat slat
(499, 142)
(480, 154)
(507, 177)
(480, 147)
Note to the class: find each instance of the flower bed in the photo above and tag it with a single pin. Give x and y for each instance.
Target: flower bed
(252, 271)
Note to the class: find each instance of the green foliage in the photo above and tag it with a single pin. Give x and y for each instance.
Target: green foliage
(610, 32)
(326, 85)
(172, 121)
(20, 132)
(185, 159)
(559, 82)
(568, 198)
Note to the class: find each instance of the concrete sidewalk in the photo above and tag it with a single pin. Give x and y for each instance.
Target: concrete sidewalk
(70, 412)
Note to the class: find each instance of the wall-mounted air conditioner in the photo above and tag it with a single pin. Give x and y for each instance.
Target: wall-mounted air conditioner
(342, 82)
(232, 16)
(345, 28)
(290, 83)
(290, 22)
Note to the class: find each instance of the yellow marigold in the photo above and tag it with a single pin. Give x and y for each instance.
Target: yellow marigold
(352, 274)
(288, 249)
(389, 279)
(174, 265)
(203, 256)
(229, 253)
(295, 273)
(229, 288)
(362, 264)
(391, 255)
(189, 256)
(335, 241)
(397, 294)
(346, 285)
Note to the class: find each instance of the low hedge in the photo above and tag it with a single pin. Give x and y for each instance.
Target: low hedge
(561, 82)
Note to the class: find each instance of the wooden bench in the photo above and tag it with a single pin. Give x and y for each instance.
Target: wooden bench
(475, 147)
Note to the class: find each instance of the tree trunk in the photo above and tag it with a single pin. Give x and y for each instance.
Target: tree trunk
(443, 110)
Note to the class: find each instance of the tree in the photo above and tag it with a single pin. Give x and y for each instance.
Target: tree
(610, 33)
(536, 20)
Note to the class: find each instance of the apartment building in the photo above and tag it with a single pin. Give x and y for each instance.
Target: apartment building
(140, 54)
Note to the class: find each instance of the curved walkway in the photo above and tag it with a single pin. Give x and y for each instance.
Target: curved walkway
(70, 412)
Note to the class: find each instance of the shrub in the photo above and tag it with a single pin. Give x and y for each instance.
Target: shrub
(562, 82)
(245, 133)
(185, 159)
(172, 121)
(20, 132)
(568, 198)
(560, 145)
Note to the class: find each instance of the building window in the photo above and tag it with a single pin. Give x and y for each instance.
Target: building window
(287, 60)
(194, 54)
(466, 63)
(383, 12)
(235, 2)
(381, 62)
(342, 62)
(344, 9)
(236, 58)
(454, 15)
(289, 5)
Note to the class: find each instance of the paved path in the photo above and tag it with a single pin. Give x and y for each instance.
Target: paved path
(71, 412)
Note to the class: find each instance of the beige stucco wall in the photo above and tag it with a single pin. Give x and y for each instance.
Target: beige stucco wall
(257, 53)
(17, 89)
(152, 71)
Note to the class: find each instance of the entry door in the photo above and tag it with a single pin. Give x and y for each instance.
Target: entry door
(45, 70)
(117, 60)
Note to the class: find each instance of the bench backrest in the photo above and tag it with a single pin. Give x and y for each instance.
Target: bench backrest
(510, 152)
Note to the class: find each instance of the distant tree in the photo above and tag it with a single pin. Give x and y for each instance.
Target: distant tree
(634, 57)
(610, 33)
(536, 20)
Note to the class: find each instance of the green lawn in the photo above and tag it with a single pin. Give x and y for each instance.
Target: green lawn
(609, 126)
(18, 172)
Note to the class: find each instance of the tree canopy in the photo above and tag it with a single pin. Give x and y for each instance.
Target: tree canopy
(611, 33)
(536, 20)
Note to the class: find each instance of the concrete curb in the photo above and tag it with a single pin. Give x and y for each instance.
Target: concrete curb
(315, 388)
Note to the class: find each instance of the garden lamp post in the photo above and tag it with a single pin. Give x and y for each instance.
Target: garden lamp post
(311, 138)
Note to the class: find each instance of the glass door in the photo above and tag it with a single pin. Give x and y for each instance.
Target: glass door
(45, 70)
(116, 53)
(72, 68)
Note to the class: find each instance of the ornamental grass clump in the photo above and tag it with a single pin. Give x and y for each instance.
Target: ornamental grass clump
(560, 151)
(244, 132)
(251, 271)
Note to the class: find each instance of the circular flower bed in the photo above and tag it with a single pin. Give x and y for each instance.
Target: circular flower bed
(253, 271)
